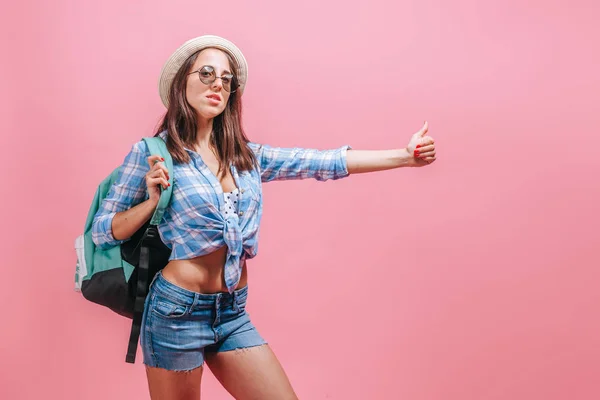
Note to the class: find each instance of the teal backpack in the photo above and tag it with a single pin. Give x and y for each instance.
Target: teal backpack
(118, 277)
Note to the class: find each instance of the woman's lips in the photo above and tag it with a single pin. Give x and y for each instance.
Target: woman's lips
(213, 99)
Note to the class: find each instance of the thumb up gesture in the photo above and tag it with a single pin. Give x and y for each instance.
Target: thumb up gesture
(422, 147)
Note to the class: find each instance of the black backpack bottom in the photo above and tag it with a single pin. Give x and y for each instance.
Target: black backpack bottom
(148, 254)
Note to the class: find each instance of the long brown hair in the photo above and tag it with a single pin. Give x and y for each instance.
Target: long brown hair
(228, 136)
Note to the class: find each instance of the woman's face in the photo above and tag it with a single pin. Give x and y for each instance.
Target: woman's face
(209, 100)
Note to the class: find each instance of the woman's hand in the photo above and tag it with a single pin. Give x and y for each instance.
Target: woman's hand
(158, 175)
(421, 147)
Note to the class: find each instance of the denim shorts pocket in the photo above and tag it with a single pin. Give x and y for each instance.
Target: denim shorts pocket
(167, 309)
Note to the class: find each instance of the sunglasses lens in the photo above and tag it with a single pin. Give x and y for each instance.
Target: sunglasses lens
(233, 84)
(207, 75)
(227, 82)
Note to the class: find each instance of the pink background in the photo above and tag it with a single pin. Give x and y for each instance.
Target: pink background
(474, 278)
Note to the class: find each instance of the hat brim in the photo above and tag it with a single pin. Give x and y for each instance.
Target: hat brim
(176, 60)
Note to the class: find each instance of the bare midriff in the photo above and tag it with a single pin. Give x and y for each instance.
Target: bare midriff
(202, 274)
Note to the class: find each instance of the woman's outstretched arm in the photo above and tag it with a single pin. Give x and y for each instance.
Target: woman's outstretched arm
(419, 152)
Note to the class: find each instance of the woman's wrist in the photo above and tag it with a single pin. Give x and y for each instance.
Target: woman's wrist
(153, 203)
(405, 158)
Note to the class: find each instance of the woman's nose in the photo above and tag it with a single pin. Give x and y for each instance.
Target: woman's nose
(218, 83)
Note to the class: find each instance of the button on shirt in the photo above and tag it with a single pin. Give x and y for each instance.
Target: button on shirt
(198, 220)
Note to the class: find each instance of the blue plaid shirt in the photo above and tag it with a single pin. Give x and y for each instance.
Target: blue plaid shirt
(194, 223)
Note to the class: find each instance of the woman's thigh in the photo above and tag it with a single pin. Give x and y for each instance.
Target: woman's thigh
(251, 373)
(174, 385)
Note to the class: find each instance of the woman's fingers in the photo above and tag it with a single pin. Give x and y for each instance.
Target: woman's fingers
(426, 154)
(157, 181)
(156, 163)
(152, 160)
(161, 166)
(160, 174)
(424, 149)
(157, 176)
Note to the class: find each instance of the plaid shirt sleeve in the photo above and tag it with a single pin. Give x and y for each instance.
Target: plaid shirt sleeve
(278, 163)
(128, 190)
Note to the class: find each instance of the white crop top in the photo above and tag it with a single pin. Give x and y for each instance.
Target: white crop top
(231, 202)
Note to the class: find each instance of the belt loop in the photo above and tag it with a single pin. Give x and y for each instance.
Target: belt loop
(236, 308)
(196, 298)
(218, 308)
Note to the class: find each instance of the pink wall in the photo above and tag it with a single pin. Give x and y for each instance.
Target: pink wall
(475, 278)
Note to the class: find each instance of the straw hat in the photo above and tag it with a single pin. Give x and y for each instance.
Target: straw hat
(177, 59)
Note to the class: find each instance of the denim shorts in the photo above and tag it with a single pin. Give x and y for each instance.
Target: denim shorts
(179, 325)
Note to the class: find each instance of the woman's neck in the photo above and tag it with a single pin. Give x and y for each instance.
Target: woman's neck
(204, 133)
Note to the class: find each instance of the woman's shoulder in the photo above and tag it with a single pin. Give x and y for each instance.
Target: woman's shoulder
(163, 135)
(138, 154)
(141, 146)
(257, 147)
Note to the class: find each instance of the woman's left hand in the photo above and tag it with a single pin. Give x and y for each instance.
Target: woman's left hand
(422, 147)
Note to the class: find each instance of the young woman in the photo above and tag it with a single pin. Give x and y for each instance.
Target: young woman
(195, 309)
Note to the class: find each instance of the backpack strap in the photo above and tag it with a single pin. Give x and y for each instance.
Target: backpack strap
(156, 146)
(141, 290)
